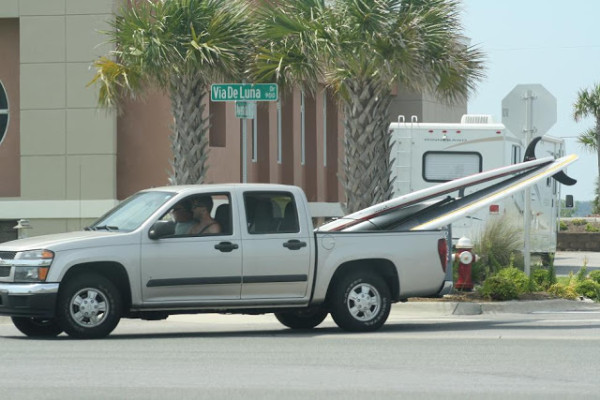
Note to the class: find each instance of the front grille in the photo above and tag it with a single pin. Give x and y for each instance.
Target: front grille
(4, 271)
(8, 255)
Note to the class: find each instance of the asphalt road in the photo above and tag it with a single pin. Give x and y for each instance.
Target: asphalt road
(421, 353)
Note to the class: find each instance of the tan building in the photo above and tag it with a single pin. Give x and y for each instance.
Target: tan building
(63, 162)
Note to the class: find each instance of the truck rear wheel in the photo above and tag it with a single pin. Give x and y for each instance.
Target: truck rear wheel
(89, 306)
(302, 319)
(37, 327)
(360, 302)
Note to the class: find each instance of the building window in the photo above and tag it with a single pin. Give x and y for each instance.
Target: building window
(3, 112)
(279, 131)
(302, 129)
(218, 126)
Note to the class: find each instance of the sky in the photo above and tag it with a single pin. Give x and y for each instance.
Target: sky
(548, 42)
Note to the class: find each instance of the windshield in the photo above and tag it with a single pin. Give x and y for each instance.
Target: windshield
(132, 212)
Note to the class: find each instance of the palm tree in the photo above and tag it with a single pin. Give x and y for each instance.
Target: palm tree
(588, 105)
(180, 46)
(363, 48)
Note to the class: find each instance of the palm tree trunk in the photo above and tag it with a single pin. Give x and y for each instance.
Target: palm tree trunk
(189, 140)
(367, 146)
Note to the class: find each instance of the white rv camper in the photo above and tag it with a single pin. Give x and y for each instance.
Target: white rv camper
(424, 154)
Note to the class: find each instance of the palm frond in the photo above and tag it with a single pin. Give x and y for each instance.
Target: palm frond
(588, 140)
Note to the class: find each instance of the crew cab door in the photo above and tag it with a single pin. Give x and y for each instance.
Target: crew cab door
(277, 246)
(187, 269)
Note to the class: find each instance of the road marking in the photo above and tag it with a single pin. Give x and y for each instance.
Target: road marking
(565, 312)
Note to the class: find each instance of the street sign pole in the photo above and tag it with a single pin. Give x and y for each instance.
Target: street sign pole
(529, 97)
(527, 119)
(244, 151)
(245, 95)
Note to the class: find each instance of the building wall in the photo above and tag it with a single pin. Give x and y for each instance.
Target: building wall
(66, 147)
(425, 107)
(10, 167)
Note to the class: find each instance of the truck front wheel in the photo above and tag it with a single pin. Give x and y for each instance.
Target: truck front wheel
(89, 306)
(37, 327)
(302, 319)
(360, 302)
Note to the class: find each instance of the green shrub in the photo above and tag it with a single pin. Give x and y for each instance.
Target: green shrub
(498, 246)
(563, 291)
(499, 288)
(551, 274)
(581, 274)
(563, 226)
(595, 276)
(589, 289)
(591, 228)
(579, 222)
(519, 278)
(543, 278)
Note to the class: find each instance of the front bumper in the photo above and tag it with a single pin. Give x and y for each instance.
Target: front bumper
(28, 299)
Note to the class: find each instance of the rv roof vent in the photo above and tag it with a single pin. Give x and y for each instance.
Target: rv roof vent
(476, 119)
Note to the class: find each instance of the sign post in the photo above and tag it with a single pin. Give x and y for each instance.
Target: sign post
(245, 96)
(528, 111)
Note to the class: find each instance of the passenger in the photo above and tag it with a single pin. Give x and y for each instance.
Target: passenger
(183, 216)
(204, 224)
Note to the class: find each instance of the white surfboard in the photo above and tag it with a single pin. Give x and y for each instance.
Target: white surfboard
(449, 213)
(433, 192)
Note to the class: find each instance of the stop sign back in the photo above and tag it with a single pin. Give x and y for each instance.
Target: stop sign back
(532, 99)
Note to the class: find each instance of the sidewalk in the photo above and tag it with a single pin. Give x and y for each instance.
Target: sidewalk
(572, 261)
(577, 259)
(442, 308)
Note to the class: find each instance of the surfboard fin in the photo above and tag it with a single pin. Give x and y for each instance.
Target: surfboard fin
(560, 176)
(564, 178)
(530, 151)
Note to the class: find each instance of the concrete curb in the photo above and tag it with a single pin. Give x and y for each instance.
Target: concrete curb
(501, 307)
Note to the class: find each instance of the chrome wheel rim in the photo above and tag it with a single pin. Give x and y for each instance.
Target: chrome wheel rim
(364, 302)
(89, 307)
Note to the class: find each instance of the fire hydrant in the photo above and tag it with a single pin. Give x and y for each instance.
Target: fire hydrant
(466, 257)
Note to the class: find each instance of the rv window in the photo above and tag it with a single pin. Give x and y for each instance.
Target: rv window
(442, 166)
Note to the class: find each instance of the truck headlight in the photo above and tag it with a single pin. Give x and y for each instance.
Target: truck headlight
(32, 265)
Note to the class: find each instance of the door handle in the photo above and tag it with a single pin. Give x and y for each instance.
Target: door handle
(226, 247)
(294, 244)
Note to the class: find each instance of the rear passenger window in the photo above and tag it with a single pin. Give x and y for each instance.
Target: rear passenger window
(271, 212)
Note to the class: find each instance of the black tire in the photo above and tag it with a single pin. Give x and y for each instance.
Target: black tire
(37, 327)
(306, 318)
(89, 306)
(360, 302)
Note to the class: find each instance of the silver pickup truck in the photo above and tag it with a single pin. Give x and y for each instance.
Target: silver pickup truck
(138, 262)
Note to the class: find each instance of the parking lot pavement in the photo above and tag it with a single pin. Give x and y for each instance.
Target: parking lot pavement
(572, 261)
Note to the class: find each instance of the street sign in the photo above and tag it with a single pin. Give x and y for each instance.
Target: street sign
(245, 109)
(243, 92)
(529, 110)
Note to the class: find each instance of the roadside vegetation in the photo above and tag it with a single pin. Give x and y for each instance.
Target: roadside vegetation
(498, 274)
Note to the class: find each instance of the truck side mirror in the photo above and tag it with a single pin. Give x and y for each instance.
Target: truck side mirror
(569, 201)
(161, 229)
